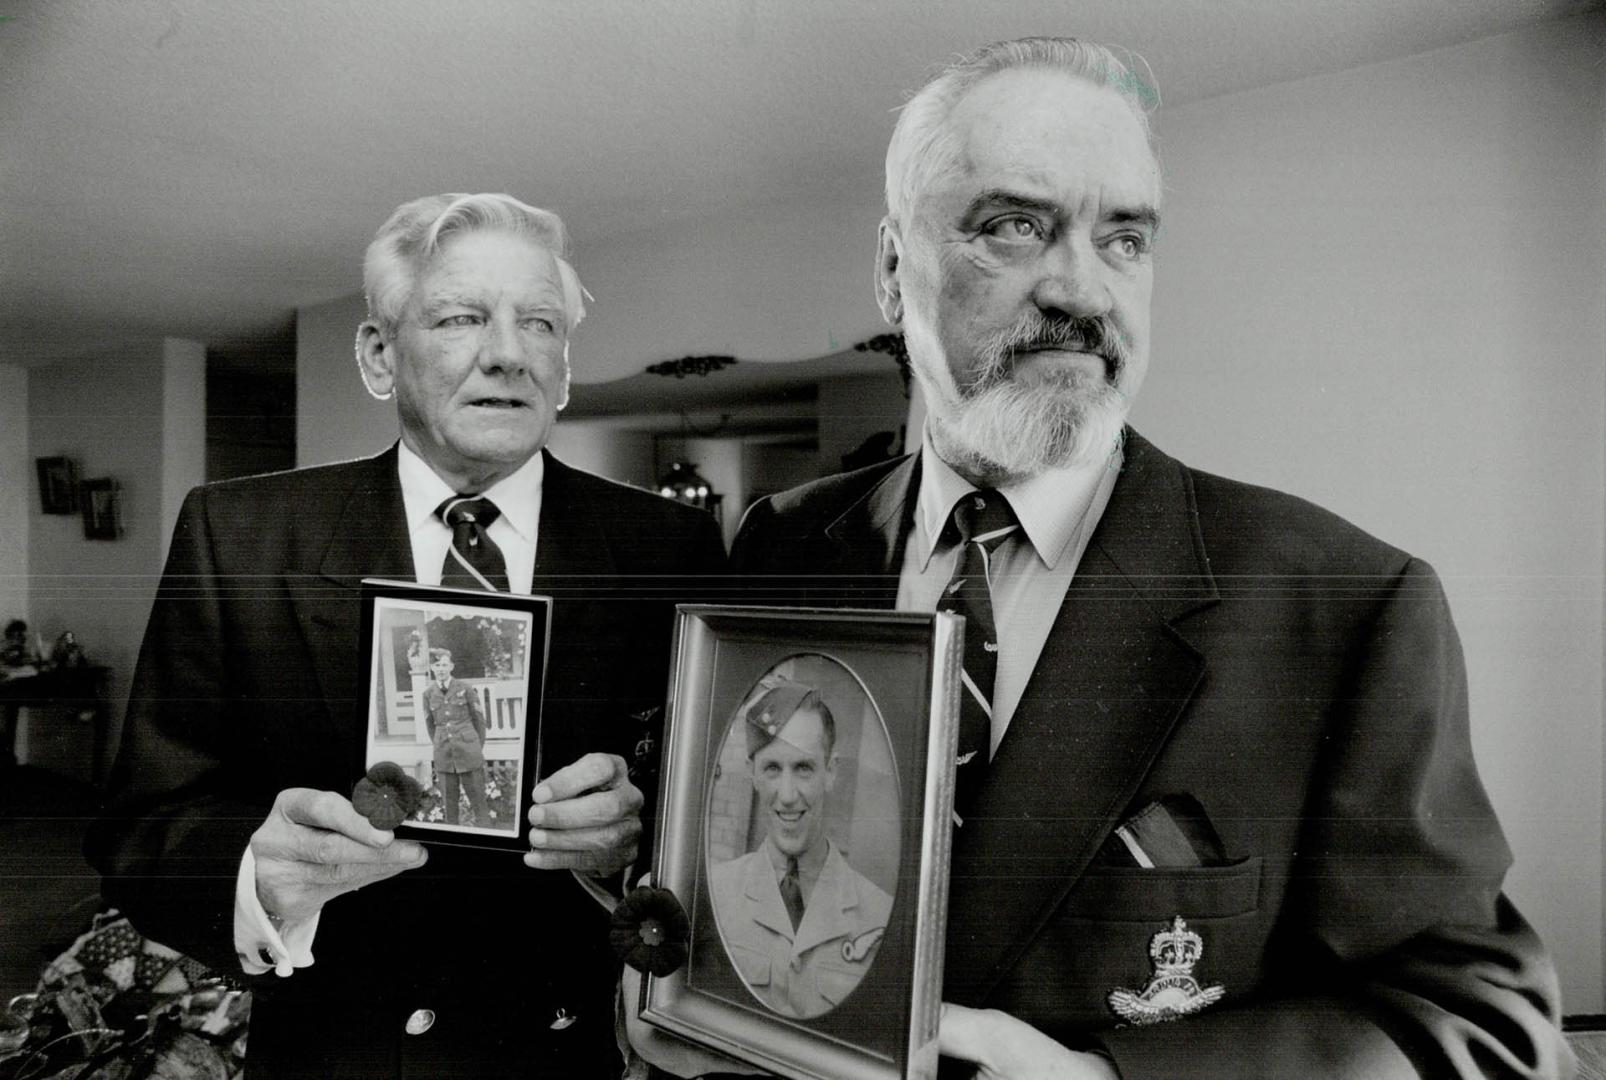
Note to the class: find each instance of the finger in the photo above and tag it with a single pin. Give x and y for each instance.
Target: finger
(327, 810)
(333, 849)
(613, 837)
(589, 862)
(960, 1033)
(588, 774)
(598, 808)
(346, 876)
(282, 840)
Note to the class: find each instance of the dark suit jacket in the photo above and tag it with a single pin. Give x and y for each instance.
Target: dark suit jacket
(1304, 682)
(251, 680)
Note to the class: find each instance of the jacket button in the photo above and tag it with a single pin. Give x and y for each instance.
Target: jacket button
(562, 1020)
(421, 1021)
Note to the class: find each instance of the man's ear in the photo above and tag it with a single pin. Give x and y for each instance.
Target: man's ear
(376, 360)
(888, 290)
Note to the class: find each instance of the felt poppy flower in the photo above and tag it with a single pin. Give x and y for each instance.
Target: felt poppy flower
(387, 796)
(650, 930)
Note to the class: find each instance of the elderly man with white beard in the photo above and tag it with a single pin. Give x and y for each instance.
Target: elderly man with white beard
(1217, 813)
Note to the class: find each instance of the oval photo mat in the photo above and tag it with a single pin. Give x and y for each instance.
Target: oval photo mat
(862, 809)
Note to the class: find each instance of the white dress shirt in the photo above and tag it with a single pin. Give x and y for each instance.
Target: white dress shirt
(260, 945)
(1030, 571)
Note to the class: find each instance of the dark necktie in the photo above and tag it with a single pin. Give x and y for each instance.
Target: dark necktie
(792, 892)
(981, 521)
(473, 561)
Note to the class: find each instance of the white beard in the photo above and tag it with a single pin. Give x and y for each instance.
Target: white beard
(1073, 418)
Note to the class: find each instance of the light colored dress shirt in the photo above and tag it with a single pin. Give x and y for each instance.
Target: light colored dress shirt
(1030, 571)
(259, 944)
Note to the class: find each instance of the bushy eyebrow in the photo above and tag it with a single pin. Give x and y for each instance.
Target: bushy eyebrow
(542, 306)
(445, 300)
(1137, 215)
(1004, 199)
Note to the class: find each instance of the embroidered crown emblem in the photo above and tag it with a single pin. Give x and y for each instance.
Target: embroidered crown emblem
(1172, 992)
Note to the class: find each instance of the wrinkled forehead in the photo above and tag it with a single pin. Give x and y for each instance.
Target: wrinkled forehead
(496, 259)
(1052, 132)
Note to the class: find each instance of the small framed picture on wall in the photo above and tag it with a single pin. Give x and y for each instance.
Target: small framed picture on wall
(99, 501)
(58, 485)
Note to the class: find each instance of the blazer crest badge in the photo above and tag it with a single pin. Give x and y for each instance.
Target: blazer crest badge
(1172, 992)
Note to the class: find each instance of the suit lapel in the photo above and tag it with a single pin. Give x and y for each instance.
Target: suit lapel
(368, 538)
(865, 543)
(769, 910)
(1113, 678)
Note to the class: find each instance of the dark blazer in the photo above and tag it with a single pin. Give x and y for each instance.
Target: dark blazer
(251, 680)
(1304, 682)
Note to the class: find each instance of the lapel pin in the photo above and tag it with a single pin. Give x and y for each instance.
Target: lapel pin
(1172, 992)
(563, 1020)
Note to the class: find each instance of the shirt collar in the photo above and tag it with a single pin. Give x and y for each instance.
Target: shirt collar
(518, 496)
(1049, 506)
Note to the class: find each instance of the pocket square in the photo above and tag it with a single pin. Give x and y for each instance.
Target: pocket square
(1172, 831)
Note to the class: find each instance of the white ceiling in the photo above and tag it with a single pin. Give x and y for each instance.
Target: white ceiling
(200, 168)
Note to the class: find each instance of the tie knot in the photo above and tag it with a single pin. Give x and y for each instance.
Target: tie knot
(984, 516)
(462, 510)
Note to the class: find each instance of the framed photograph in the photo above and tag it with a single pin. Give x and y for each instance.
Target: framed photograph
(804, 824)
(58, 485)
(102, 520)
(455, 686)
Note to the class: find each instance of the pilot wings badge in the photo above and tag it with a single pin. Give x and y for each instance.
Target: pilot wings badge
(1172, 992)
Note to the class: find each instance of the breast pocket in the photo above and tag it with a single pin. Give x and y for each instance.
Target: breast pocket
(752, 965)
(1100, 939)
(835, 981)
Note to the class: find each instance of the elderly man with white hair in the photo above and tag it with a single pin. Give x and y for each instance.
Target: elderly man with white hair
(1217, 812)
(227, 835)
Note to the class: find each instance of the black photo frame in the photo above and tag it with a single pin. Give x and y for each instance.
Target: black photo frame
(102, 516)
(497, 647)
(58, 485)
(889, 677)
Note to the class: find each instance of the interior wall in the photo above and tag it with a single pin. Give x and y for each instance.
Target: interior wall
(110, 413)
(18, 491)
(183, 428)
(720, 462)
(778, 282)
(336, 418)
(605, 449)
(1379, 290)
(853, 409)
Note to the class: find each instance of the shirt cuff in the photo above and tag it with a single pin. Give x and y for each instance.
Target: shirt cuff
(260, 945)
(605, 890)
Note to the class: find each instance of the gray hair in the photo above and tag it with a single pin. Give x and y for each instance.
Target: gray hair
(922, 146)
(417, 230)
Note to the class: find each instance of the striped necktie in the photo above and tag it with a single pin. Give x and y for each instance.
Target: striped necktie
(981, 521)
(473, 561)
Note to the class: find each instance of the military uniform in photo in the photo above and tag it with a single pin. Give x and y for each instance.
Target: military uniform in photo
(809, 970)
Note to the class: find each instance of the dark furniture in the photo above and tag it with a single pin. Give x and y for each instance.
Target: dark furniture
(78, 691)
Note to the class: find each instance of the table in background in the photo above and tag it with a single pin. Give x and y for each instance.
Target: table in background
(80, 691)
